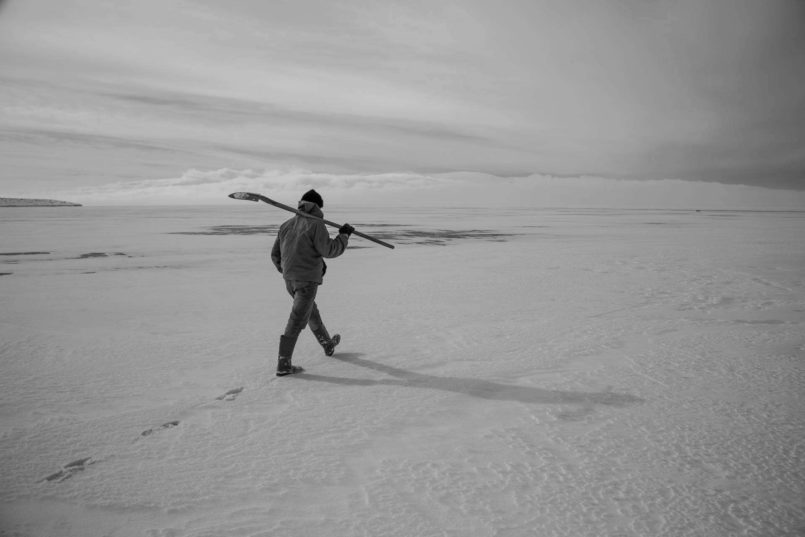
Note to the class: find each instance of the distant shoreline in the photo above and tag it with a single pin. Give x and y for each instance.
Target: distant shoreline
(27, 202)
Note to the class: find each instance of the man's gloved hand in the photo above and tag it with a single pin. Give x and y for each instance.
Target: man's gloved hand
(346, 229)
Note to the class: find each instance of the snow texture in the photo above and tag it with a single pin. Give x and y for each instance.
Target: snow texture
(501, 373)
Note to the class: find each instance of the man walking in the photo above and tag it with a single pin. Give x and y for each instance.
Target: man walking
(299, 250)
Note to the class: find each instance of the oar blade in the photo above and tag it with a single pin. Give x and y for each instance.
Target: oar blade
(245, 196)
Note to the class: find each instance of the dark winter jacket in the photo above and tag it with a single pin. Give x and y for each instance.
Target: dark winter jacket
(302, 243)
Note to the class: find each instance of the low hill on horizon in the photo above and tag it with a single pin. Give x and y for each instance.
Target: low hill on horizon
(28, 202)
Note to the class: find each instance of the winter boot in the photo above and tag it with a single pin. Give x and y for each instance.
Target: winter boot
(284, 366)
(327, 343)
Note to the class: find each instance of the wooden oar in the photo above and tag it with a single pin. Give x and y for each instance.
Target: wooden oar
(259, 197)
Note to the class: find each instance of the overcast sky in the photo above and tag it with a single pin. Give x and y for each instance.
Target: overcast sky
(99, 97)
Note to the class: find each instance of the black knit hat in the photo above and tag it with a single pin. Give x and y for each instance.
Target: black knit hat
(312, 195)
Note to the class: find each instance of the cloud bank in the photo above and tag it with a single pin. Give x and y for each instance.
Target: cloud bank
(197, 186)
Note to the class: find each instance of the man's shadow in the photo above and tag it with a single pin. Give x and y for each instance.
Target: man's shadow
(484, 389)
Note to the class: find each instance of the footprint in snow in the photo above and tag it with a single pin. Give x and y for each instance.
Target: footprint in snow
(69, 470)
(168, 425)
(230, 395)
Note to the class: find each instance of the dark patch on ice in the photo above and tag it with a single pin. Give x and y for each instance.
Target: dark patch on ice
(6, 273)
(13, 255)
(368, 226)
(167, 425)
(480, 388)
(230, 395)
(143, 267)
(440, 237)
(392, 232)
(68, 470)
(101, 254)
(384, 231)
(231, 230)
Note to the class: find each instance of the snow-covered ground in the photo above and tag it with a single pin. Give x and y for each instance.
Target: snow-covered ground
(501, 373)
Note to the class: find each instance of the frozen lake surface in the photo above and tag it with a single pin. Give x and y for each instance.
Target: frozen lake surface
(501, 373)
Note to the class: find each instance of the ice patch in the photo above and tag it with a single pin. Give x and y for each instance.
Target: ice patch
(102, 254)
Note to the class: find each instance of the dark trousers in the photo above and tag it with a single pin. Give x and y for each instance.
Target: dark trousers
(304, 310)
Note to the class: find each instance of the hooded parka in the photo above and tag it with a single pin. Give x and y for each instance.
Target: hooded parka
(302, 243)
